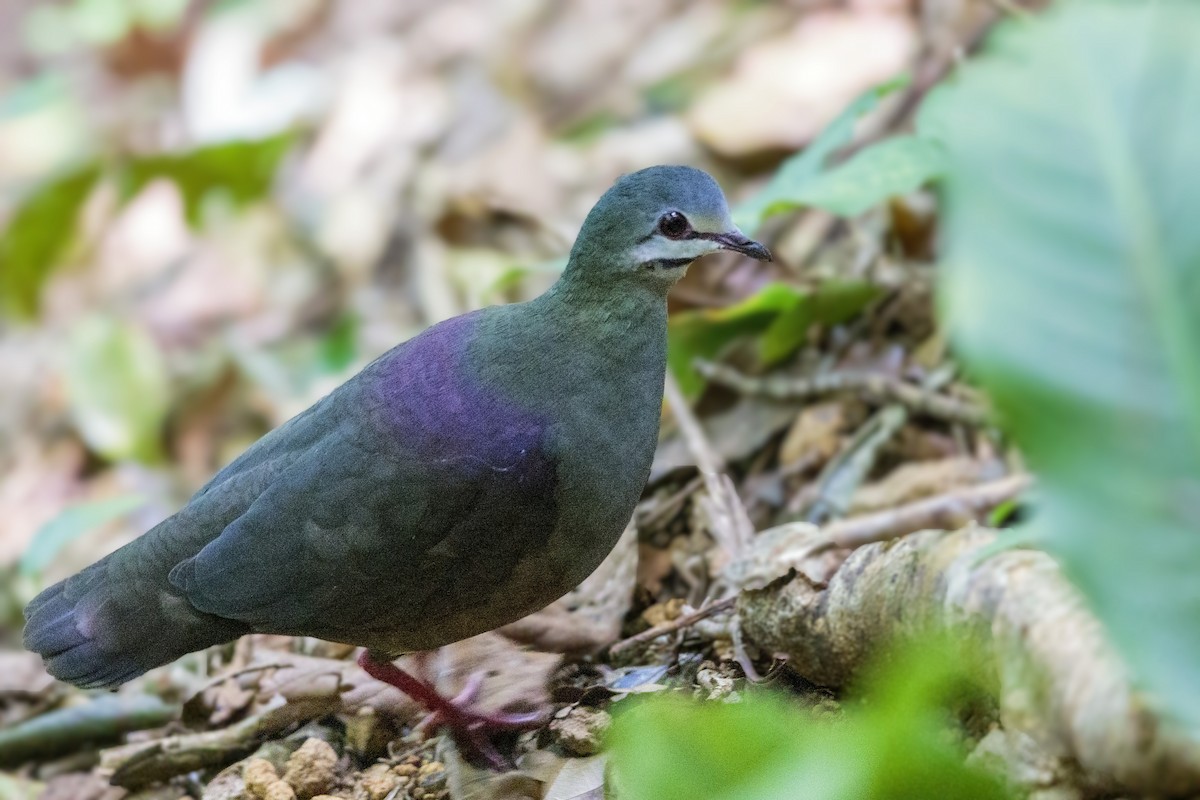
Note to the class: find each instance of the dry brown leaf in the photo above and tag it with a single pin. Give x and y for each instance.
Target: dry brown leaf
(514, 678)
(815, 435)
(298, 678)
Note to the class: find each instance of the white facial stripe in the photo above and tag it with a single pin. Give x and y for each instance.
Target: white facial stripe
(660, 248)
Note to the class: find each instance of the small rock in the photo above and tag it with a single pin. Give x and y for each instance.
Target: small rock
(660, 613)
(279, 790)
(310, 770)
(376, 782)
(714, 683)
(259, 776)
(580, 732)
(228, 785)
(432, 777)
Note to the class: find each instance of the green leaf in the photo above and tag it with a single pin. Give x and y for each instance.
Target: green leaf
(37, 237)
(808, 163)
(892, 167)
(243, 171)
(71, 524)
(338, 348)
(832, 304)
(893, 747)
(1071, 290)
(117, 389)
(704, 334)
(783, 315)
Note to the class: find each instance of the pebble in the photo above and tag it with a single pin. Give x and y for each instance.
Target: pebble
(310, 770)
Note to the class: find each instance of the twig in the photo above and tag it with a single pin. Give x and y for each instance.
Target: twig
(670, 506)
(679, 623)
(949, 510)
(731, 525)
(846, 472)
(880, 388)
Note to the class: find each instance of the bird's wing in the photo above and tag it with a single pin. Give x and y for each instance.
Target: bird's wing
(372, 523)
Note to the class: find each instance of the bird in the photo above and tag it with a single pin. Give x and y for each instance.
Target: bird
(466, 478)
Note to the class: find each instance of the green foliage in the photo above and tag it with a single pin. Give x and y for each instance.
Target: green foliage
(779, 315)
(117, 389)
(69, 525)
(892, 167)
(42, 228)
(1071, 289)
(894, 746)
(831, 304)
(38, 236)
(242, 171)
(869, 178)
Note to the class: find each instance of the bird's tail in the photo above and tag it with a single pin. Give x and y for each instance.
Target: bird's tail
(58, 628)
(97, 633)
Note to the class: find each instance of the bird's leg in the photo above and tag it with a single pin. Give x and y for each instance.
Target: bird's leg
(470, 728)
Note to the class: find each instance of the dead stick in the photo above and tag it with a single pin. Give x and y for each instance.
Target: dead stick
(674, 625)
(730, 521)
(881, 388)
(949, 510)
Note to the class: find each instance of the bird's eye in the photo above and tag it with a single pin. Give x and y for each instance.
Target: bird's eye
(674, 225)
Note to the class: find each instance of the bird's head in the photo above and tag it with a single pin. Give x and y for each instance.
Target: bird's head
(652, 223)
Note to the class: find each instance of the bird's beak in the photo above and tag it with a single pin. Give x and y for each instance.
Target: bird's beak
(738, 242)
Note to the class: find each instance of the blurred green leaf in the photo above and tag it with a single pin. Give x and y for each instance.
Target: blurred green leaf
(69, 526)
(117, 389)
(339, 346)
(806, 165)
(892, 167)
(38, 235)
(243, 171)
(833, 303)
(1071, 289)
(894, 746)
(783, 315)
(703, 334)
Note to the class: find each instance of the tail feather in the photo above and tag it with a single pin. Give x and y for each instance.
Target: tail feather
(98, 633)
(51, 628)
(55, 629)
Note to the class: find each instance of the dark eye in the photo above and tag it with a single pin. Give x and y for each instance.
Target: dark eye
(674, 225)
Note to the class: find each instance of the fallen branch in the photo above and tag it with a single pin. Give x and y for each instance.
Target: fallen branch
(684, 621)
(67, 730)
(729, 522)
(948, 511)
(1058, 683)
(878, 388)
(141, 764)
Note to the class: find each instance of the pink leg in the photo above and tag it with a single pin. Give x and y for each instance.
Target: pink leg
(468, 727)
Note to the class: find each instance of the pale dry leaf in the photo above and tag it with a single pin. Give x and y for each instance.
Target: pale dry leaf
(775, 552)
(579, 779)
(785, 90)
(513, 677)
